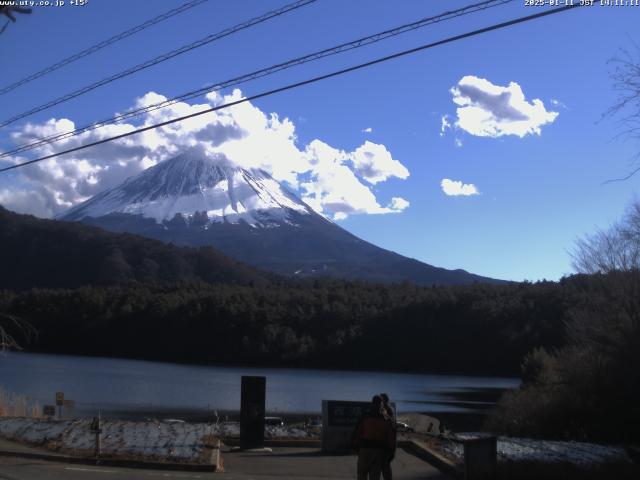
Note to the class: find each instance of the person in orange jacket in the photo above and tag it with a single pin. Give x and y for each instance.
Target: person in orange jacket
(374, 440)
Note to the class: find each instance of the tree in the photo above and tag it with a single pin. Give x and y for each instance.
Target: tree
(626, 82)
(614, 249)
(11, 327)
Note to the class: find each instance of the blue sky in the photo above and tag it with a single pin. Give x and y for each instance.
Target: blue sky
(537, 193)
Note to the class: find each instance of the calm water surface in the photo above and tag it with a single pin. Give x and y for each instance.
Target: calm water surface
(116, 384)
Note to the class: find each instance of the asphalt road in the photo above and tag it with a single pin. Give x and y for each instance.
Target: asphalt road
(297, 463)
(25, 469)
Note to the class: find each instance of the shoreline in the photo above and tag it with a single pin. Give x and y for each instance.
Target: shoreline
(460, 402)
(507, 374)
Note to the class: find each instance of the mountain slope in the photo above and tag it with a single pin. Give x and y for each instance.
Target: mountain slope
(197, 201)
(47, 253)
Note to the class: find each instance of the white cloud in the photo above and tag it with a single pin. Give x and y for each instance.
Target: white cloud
(374, 163)
(444, 124)
(334, 188)
(456, 187)
(557, 103)
(458, 143)
(25, 202)
(333, 181)
(488, 110)
(367, 130)
(398, 204)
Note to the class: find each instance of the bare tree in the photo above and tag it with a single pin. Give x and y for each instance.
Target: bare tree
(625, 75)
(12, 326)
(614, 249)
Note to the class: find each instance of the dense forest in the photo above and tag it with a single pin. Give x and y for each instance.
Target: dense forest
(589, 388)
(322, 323)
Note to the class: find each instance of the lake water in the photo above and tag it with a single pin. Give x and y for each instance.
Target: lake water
(125, 385)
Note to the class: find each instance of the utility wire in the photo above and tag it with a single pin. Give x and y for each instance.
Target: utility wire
(306, 82)
(4, 27)
(361, 42)
(105, 43)
(162, 58)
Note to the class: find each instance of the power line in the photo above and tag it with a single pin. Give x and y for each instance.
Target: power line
(105, 43)
(4, 27)
(263, 72)
(162, 58)
(360, 42)
(306, 82)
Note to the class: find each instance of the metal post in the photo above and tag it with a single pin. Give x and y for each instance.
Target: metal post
(480, 458)
(97, 428)
(98, 431)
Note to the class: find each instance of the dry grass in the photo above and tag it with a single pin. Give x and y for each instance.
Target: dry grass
(17, 405)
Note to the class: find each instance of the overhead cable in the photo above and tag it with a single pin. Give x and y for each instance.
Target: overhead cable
(162, 58)
(99, 46)
(354, 44)
(292, 86)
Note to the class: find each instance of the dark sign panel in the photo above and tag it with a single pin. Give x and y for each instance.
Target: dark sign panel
(347, 414)
(49, 410)
(252, 408)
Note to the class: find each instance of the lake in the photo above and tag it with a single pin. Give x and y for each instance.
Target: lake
(133, 385)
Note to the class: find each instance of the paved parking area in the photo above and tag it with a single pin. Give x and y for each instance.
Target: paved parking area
(310, 464)
(293, 463)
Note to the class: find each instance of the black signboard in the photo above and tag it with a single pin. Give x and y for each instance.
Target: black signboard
(347, 414)
(49, 410)
(252, 407)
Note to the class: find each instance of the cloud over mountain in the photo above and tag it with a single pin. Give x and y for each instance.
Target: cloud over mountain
(335, 182)
(334, 189)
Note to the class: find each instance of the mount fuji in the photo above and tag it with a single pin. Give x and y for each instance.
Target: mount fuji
(198, 200)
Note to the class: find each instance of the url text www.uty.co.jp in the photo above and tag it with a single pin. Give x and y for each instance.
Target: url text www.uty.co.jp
(43, 3)
(586, 3)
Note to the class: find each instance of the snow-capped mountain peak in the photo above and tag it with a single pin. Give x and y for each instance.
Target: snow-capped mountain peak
(191, 184)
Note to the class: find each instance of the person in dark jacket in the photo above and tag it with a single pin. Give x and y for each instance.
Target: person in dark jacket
(374, 440)
(387, 411)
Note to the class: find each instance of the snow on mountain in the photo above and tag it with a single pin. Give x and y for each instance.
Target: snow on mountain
(250, 217)
(192, 183)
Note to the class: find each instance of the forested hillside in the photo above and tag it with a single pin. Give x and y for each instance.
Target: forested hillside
(46, 253)
(322, 323)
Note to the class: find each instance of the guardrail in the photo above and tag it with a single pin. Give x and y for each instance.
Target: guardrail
(480, 456)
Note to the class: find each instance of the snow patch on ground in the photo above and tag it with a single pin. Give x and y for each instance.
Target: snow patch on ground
(150, 440)
(232, 430)
(182, 442)
(546, 451)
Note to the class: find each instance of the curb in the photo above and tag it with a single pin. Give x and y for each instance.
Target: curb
(113, 462)
(234, 442)
(424, 452)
